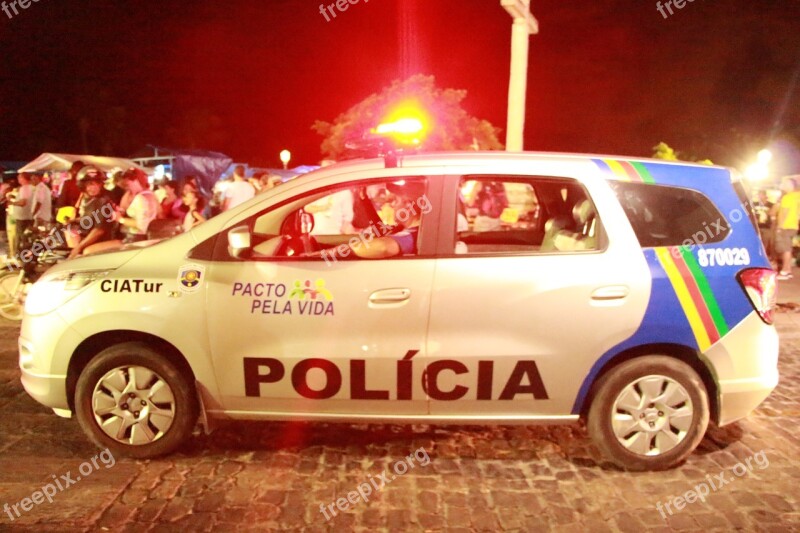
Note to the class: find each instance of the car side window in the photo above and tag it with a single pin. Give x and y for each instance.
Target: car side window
(375, 219)
(663, 215)
(510, 214)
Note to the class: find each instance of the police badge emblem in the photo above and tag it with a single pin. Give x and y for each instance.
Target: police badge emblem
(190, 276)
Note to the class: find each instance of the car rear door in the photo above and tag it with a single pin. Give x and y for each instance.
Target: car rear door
(524, 304)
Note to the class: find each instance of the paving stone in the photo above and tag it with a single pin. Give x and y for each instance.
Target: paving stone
(275, 476)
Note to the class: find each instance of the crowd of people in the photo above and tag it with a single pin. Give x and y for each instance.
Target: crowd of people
(130, 207)
(779, 223)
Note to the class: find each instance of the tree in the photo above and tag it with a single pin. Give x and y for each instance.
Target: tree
(664, 151)
(449, 126)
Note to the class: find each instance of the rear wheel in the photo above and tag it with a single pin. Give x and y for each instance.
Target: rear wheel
(649, 413)
(133, 401)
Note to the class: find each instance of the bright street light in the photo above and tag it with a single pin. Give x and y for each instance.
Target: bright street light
(286, 156)
(759, 171)
(756, 172)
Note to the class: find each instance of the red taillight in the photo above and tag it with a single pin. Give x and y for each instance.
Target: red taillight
(759, 285)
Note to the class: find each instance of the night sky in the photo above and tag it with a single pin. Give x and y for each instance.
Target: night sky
(248, 78)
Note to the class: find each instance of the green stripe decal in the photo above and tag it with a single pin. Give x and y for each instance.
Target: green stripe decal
(705, 290)
(643, 172)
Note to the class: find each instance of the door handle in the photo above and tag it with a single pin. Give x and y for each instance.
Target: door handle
(389, 296)
(613, 292)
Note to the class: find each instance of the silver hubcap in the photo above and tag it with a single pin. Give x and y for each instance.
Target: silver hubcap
(133, 405)
(652, 415)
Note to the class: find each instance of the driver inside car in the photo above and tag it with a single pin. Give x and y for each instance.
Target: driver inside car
(379, 240)
(407, 203)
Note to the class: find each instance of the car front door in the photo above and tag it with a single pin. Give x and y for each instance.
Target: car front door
(328, 335)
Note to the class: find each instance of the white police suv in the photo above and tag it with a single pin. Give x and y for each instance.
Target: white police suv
(442, 288)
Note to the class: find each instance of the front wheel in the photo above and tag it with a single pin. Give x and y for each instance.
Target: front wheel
(133, 401)
(649, 413)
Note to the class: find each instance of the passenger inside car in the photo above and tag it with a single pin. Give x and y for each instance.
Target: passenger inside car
(542, 215)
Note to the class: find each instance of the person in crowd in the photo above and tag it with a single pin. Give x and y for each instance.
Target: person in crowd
(143, 207)
(268, 181)
(238, 191)
(70, 192)
(171, 206)
(195, 204)
(9, 195)
(766, 219)
(786, 226)
(490, 200)
(333, 214)
(97, 207)
(255, 182)
(42, 200)
(118, 191)
(22, 208)
(191, 181)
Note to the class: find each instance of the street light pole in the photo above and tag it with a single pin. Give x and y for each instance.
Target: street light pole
(524, 25)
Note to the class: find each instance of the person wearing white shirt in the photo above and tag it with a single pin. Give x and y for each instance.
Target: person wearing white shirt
(143, 208)
(42, 200)
(238, 191)
(333, 214)
(21, 208)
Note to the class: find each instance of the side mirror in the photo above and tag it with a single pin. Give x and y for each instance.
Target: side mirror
(238, 241)
(306, 222)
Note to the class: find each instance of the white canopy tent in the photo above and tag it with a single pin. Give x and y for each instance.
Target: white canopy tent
(62, 163)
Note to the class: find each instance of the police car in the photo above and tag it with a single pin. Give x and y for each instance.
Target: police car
(443, 288)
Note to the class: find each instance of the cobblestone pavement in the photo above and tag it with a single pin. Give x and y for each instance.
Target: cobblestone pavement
(261, 476)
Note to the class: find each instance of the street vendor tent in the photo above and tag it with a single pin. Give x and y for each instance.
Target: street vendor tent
(206, 166)
(62, 162)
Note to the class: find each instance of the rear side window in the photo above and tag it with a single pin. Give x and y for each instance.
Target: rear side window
(670, 216)
(523, 215)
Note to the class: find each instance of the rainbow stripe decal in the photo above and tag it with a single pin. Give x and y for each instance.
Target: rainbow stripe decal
(694, 294)
(625, 170)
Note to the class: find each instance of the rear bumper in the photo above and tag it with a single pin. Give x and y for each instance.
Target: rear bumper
(745, 366)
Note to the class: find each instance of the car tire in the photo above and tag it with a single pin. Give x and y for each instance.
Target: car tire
(133, 401)
(649, 413)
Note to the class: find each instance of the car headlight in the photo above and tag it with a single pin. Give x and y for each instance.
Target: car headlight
(54, 290)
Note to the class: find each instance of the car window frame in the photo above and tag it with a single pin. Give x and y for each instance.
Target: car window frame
(215, 248)
(447, 234)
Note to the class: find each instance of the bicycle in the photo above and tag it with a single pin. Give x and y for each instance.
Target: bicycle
(14, 286)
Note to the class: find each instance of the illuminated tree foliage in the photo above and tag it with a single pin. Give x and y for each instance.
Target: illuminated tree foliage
(448, 125)
(664, 151)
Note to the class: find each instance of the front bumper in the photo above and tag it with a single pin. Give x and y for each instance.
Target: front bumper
(47, 389)
(745, 366)
(45, 345)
